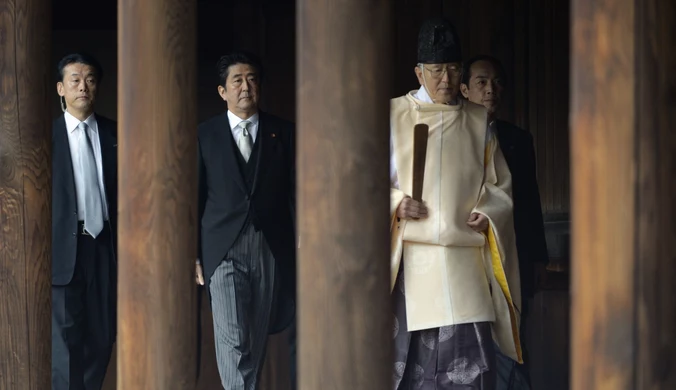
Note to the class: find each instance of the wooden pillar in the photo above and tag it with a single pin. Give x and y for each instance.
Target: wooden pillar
(344, 63)
(25, 194)
(656, 210)
(624, 216)
(157, 194)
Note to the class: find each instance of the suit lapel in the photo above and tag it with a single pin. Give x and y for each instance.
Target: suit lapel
(222, 136)
(507, 143)
(107, 146)
(503, 139)
(62, 160)
(267, 138)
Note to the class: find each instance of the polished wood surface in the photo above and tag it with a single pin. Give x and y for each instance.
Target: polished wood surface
(603, 254)
(624, 220)
(25, 195)
(345, 330)
(655, 158)
(157, 114)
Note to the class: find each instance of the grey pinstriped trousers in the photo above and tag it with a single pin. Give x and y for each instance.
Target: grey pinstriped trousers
(243, 291)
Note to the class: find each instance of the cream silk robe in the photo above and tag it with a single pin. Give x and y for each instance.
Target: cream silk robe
(454, 275)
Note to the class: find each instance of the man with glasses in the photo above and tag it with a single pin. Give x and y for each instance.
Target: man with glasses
(455, 272)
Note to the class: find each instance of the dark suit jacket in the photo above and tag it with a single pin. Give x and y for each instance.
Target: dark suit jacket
(517, 146)
(64, 201)
(225, 200)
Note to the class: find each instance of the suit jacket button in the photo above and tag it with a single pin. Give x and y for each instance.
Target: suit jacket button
(75, 234)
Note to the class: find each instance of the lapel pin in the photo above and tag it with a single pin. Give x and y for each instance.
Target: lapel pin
(273, 135)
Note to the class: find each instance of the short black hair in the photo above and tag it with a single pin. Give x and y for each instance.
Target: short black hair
(468, 67)
(237, 57)
(80, 58)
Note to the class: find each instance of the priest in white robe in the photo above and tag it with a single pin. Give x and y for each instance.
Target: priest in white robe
(455, 275)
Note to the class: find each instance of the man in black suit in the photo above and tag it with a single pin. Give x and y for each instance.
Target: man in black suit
(246, 212)
(84, 207)
(482, 83)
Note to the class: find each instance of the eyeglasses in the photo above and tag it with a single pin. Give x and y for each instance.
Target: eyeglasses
(437, 70)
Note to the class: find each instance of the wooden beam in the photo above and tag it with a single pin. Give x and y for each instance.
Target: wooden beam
(655, 188)
(343, 207)
(157, 194)
(25, 194)
(624, 219)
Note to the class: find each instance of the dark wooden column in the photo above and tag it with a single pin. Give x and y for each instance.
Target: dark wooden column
(655, 188)
(624, 218)
(344, 63)
(157, 111)
(25, 194)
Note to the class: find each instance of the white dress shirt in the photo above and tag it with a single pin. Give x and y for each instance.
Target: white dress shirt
(237, 131)
(423, 96)
(72, 124)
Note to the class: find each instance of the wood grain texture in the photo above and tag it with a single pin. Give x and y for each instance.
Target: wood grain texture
(546, 70)
(656, 212)
(276, 372)
(624, 149)
(548, 340)
(604, 345)
(531, 39)
(345, 327)
(25, 195)
(157, 248)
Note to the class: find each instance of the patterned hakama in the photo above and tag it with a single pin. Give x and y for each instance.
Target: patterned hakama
(448, 358)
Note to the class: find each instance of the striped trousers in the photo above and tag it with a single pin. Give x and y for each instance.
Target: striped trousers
(243, 292)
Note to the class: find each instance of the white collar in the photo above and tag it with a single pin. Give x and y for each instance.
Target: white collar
(235, 120)
(72, 122)
(423, 96)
